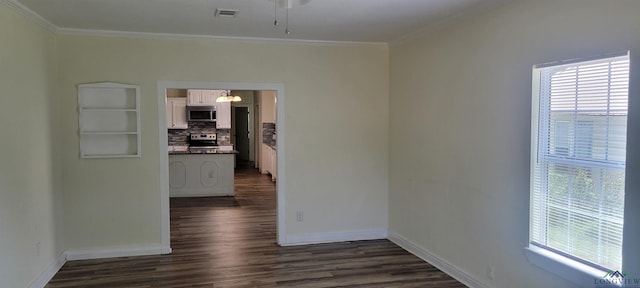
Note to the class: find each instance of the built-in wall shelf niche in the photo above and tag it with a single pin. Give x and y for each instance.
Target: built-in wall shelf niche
(109, 120)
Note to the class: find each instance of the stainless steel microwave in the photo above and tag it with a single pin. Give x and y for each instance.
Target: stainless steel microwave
(201, 113)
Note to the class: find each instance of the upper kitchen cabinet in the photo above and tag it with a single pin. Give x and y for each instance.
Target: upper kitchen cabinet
(223, 115)
(197, 97)
(109, 120)
(177, 113)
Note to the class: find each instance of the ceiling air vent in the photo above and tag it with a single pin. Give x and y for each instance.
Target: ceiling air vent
(226, 13)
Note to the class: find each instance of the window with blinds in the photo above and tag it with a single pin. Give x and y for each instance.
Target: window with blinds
(578, 160)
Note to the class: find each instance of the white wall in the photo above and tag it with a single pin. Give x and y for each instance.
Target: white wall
(30, 195)
(460, 108)
(336, 122)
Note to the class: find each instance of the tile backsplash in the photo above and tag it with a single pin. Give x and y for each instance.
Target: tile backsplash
(268, 134)
(181, 136)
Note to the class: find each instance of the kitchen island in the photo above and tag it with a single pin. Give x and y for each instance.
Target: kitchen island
(201, 174)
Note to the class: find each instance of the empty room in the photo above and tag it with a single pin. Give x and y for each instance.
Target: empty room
(314, 143)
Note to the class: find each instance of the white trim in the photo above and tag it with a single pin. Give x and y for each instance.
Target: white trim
(30, 14)
(116, 251)
(51, 271)
(169, 36)
(164, 155)
(574, 61)
(165, 237)
(280, 167)
(331, 237)
(446, 267)
(564, 267)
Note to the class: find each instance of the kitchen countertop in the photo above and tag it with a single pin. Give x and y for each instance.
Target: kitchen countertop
(197, 153)
(183, 149)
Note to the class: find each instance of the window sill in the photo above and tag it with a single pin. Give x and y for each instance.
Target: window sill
(574, 271)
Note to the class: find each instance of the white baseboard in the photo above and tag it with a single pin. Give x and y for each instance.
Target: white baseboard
(424, 254)
(329, 237)
(51, 271)
(119, 251)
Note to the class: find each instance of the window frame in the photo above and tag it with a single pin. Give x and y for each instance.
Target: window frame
(579, 272)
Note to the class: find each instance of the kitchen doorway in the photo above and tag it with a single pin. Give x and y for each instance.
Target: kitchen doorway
(242, 141)
(277, 89)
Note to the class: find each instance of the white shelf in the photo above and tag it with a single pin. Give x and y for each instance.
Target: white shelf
(106, 145)
(109, 120)
(107, 95)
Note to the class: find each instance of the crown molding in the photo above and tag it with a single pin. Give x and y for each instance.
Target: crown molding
(30, 14)
(169, 36)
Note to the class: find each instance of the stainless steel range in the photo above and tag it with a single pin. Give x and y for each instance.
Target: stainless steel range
(203, 143)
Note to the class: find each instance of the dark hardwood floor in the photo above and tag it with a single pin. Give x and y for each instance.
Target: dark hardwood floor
(231, 242)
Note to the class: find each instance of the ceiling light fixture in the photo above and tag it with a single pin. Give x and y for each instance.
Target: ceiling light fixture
(229, 99)
(225, 97)
(286, 28)
(275, 13)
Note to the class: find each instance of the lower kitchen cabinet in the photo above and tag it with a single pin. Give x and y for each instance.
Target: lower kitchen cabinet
(194, 175)
(269, 161)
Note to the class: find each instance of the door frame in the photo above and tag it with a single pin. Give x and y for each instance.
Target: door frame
(164, 155)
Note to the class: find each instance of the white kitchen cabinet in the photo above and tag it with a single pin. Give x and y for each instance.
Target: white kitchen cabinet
(273, 161)
(198, 97)
(194, 98)
(208, 97)
(177, 173)
(264, 158)
(269, 160)
(177, 113)
(109, 120)
(195, 175)
(223, 115)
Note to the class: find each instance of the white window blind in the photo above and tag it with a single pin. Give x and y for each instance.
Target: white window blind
(578, 160)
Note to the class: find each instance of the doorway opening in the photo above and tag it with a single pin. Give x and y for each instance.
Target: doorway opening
(248, 142)
(241, 135)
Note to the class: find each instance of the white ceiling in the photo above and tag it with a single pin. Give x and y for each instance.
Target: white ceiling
(325, 20)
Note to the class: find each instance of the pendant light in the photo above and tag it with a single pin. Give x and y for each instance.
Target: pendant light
(225, 97)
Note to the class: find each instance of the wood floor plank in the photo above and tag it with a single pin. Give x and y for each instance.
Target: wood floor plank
(231, 242)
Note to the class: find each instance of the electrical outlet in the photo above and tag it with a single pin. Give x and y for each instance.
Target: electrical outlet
(490, 272)
(299, 216)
